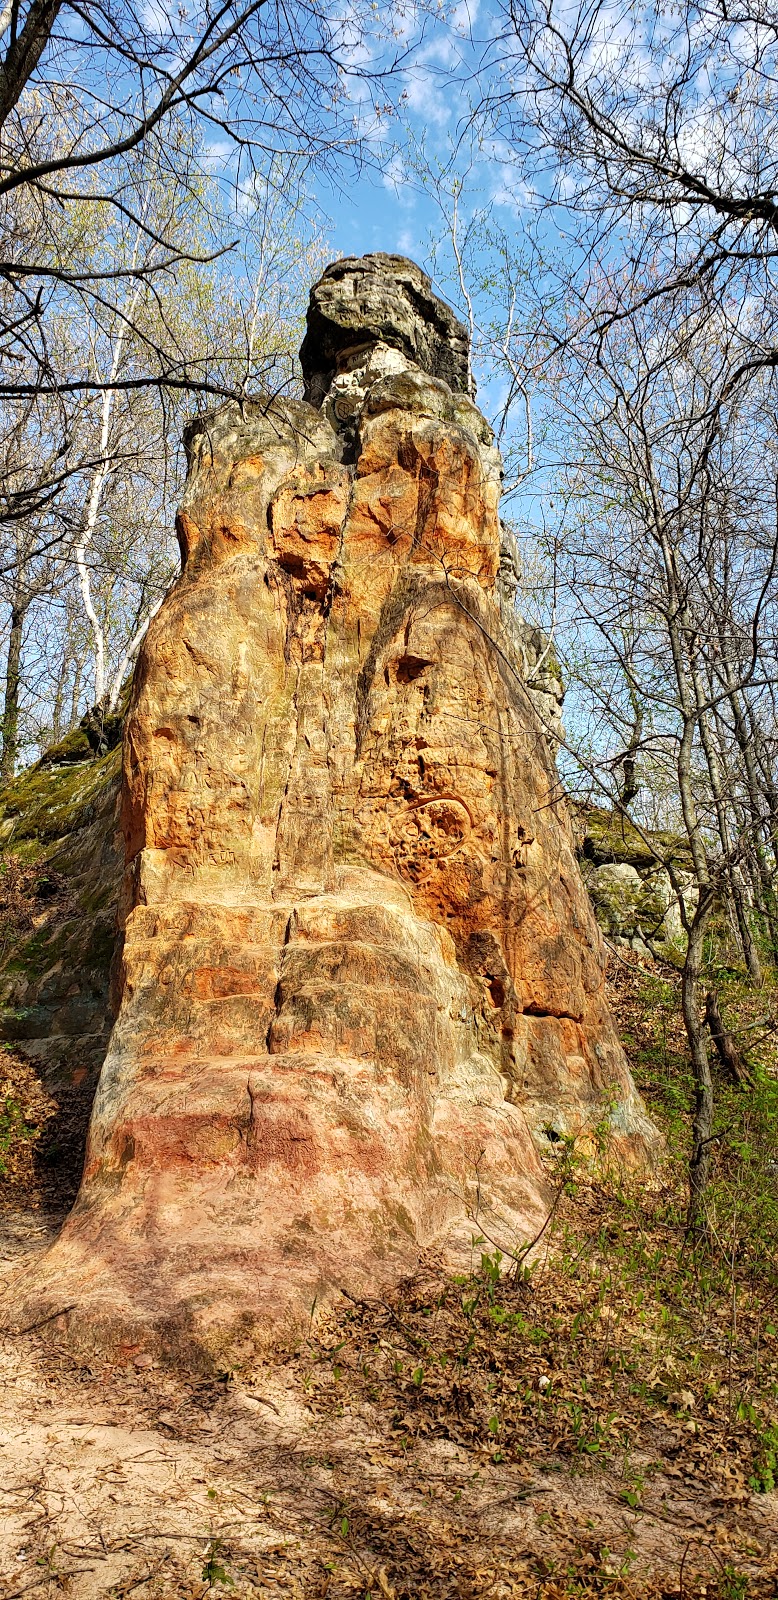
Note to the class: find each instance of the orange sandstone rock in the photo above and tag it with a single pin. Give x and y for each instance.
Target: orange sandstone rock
(361, 986)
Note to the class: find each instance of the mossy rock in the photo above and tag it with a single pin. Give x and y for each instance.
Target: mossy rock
(60, 871)
(609, 837)
(74, 747)
(49, 800)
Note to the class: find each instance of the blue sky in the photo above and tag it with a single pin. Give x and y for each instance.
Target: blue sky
(373, 215)
(386, 207)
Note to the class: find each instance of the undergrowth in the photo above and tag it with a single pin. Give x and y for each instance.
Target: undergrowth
(616, 1349)
(25, 1108)
(619, 1344)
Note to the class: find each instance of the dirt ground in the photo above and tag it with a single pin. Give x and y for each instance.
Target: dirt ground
(128, 1479)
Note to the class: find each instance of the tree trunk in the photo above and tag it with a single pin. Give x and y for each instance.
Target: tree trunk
(727, 1051)
(746, 937)
(702, 1120)
(722, 805)
(75, 692)
(761, 790)
(13, 679)
(56, 713)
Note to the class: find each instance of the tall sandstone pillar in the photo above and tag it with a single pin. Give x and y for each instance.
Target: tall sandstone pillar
(360, 993)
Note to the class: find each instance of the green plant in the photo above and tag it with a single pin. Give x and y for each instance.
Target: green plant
(12, 1128)
(764, 1476)
(214, 1570)
(590, 1432)
(732, 1585)
(632, 1493)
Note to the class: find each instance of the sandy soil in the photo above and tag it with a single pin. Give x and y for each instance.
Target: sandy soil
(130, 1479)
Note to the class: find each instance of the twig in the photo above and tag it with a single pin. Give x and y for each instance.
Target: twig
(416, 1344)
(633, 966)
(517, 1257)
(145, 1578)
(16, 1593)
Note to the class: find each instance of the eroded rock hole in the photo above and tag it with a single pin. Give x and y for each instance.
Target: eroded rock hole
(496, 989)
(411, 667)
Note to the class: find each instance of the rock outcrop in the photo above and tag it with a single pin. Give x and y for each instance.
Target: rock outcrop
(55, 959)
(378, 312)
(632, 892)
(360, 995)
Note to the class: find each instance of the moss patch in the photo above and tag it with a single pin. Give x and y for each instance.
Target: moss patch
(46, 802)
(607, 836)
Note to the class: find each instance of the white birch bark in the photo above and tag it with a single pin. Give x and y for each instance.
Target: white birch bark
(98, 481)
(129, 656)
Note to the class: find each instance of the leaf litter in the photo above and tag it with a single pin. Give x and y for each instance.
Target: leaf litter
(600, 1422)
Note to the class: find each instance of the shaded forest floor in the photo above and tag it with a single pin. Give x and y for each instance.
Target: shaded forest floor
(603, 1423)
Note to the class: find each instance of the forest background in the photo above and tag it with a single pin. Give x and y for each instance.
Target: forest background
(593, 187)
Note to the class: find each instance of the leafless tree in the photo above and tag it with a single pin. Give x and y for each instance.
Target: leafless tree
(643, 141)
(670, 559)
(653, 492)
(648, 134)
(94, 100)
(150, 163)
(101, 106)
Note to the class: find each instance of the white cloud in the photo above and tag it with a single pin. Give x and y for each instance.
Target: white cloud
(425, 97)
(464, 15)
(155, 17)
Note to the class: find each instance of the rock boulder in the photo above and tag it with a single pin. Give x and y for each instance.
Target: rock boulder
(360, 994)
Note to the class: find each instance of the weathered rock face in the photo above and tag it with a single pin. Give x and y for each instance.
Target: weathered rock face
(382, 310)
(361, 989)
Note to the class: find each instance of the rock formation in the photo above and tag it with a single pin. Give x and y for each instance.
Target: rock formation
(360, 992)
(632, 892)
